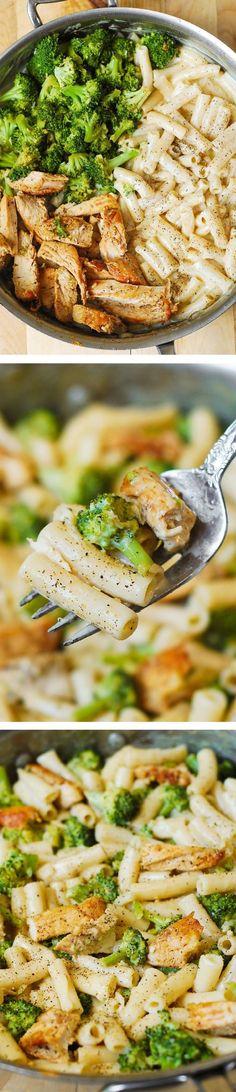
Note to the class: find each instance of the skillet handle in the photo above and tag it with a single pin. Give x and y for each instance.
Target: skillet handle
(167, 349)
(206, 1082)
(32, 9)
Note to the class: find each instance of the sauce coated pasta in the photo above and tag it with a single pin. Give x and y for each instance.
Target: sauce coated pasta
(118, 910)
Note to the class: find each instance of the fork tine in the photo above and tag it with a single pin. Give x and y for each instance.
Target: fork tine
(85, 631)
(47, 609)
(68, 618)
(28, 598)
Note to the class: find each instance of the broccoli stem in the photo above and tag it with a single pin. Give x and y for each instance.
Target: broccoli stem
(132, 549)
(113, 959)
(88, 712)
(123, 157)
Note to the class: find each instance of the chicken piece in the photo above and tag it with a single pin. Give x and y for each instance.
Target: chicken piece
(113, 238)
(163, 680)
(18, 640)
(96, 320)
(60, 919)
(8, 222)
(95, 268)
(33, 212)
(216, 1017)
(178, 775)
(68, 795)
(126, 269)
(51, 1036)
(66, 257)
(47, 277)
(142, 304)
(94, 206)
(25, 270)
(5, 252)
(38, 182)
(164, 445)
(101, 936)
(77, 231)
(18, 816)
(176, 944)
(179, 858)
(65, 295)
(157, 504)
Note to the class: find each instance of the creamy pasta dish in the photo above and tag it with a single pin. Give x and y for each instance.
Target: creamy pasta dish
(179, 664)
(117, 174)
(118, 911)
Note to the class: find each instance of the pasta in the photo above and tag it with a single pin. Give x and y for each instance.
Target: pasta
(117, 955)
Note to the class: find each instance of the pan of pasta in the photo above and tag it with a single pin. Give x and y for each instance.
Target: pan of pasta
(117, 178)
(118, 907)
(66, 459)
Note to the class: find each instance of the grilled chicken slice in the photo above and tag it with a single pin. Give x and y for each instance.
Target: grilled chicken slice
(18, 816)
(96, 269)
(179, 858)
(66, 257)
(65, 295)
(17, 641)
(51, 1036)
(113, 237)
(176, 944)
(163, 679)
(126, 269)
(96, 320)
(101, 936)
(217, 1017)
(94, 206)
(33, 212)
(178, 775)
(25, 271)
(142, 304)
(61, 919)
(47, 277)
(159, 506)
(40, 183)
(77, 231)
(5, 252)
(8, 222)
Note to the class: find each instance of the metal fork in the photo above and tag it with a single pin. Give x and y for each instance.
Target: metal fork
(201, 489)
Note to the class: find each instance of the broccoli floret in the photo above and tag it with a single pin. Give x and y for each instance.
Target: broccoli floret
(4, 945)
(110, 523)
(222, 908)
(84, 760)
(23, 523)
(161, 48)
(93, 47)
(116, 861)
(116, 691)
(22, 94)
(7, 131)
(222, 629)
(86, 1001)
(50, 91)
(226, 768)
(100, 170)
(192, 763)
(166, 1046)
(52, 159)
(79, 189)
(175, 798)
(84, 96)
(101, 884)
(66, 73)
(42, 423)
(19, 1015)
(75, 833)
(118, 806)
(7, 797)
(47, 54)
(134, 1058)
(17, 868)
(156, 920)
(133, 949)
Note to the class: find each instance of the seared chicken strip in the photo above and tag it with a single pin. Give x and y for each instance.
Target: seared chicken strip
(126, 269)
(65, 295)
(157, 504)
(62, 919)
(25, 271)
(143, 304)
(178, 775)
(94, 206)
(5, 252)
(66, 257)
(179, 858)
(164, 679)
(216, 1017)
(77, 231)
(99, 934)
(96, 320)
(96, 269)
(51, 1035)
(33, 212)
(38, 182)
(47, 277)
(113, 238)
(8, 222)
(176, 944)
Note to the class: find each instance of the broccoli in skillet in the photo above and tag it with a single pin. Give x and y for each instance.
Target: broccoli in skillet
(164, 1047)
(101, 884)
(110, 523)
(75, 833)
(4, 944)
(84, 760)
(22, 94)
(175, 798)
(42, 424)
(47, 54)
(116, 691)
(118, 806)
(222, 908)
(133, 949)
(162, 49)
(19, 1015)
(16, 870)
(7, 797)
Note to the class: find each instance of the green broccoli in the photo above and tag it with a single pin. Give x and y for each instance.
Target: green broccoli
(66, 73)
(156, 920)
(165, 1046)
(4, 945)
(192, 763)
(116, 861)
(19, 1015)
(47, 54)
(92, 48)
(7, 131)
(174, 798)
(110, 523)
(101, 884)
(226, 768)
(222, 909)
(100, 172)
(88, 759)
(162, 49)
(221, 630)
(16, 869)
(116, 691)
(22, 94)
(78, 189)
(7, 797)
(132, 949)
(42, 423)
(51, 162)
(118, 806)
(75, 833)
(23, 523)
(86, 1001)
(92, 480)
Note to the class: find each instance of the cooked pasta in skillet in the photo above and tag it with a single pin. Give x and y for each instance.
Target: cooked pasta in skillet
(180, 663)
(118, 910)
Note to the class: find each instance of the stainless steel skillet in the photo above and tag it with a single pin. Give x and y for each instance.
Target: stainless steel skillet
(15, 58)
(17, 747)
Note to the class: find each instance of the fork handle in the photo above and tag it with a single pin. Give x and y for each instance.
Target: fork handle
(221, 454)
